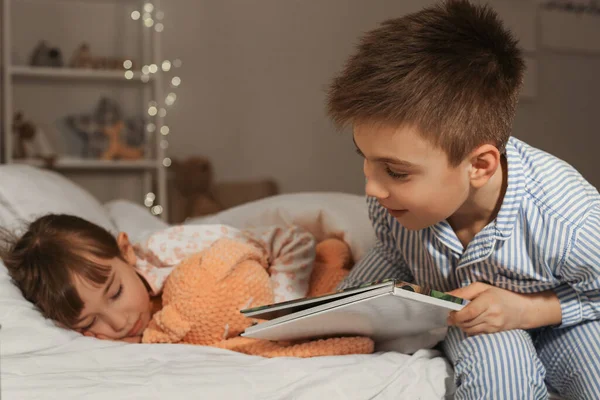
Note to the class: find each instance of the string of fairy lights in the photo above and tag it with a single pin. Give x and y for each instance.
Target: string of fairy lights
(152, 18)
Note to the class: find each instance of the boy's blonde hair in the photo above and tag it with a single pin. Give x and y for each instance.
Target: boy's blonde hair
(452, 71)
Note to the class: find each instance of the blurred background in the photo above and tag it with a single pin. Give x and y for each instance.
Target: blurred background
(224, 100)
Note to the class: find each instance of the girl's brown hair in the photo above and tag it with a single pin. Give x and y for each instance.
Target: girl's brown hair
(45, 260)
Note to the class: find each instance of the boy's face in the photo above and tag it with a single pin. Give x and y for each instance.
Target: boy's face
(121, 307)
(410, 177)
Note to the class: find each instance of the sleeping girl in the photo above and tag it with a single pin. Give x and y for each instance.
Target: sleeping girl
(81, 276)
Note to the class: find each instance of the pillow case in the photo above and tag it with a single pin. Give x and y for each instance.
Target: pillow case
(28, 192)
(324, 214)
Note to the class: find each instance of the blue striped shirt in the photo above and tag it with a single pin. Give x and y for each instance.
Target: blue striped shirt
(545, 236)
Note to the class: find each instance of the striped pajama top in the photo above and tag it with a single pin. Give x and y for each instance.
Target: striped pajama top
(546, 236)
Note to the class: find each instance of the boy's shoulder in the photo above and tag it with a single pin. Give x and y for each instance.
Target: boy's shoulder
(552, 185)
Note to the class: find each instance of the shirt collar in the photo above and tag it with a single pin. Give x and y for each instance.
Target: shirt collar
(515, 191)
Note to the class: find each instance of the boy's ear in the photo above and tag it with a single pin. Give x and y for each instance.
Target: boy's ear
(485, 161)
(126, 248)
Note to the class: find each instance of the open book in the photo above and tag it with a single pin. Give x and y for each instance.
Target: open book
(382, 310)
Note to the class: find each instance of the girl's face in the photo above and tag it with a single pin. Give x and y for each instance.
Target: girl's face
(120, 308)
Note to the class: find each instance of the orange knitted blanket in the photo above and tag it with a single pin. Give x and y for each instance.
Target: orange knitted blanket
(204, 294)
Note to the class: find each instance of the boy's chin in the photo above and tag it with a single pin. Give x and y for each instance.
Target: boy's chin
(411, 223)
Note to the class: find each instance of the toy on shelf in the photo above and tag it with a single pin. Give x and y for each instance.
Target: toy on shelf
(105, 133)
(117, 149)
(193, 192)
(30, 141)
(83, 58)
(46, 56)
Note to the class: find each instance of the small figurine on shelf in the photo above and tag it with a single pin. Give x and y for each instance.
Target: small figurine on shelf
(98, 132)
(45, 56)
(117, 149)
(30, 141)
(83, 58)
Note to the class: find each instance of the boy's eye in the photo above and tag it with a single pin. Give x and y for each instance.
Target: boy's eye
(359, 152)
(118, 294)
(395, 175)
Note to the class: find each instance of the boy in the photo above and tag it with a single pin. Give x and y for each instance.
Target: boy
(459, 205)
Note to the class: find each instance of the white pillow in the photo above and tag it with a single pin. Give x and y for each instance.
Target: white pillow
(133, 219)
(24, 329)
(323, 214)
(27, 192)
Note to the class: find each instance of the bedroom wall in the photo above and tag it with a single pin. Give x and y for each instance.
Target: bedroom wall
(254, 77)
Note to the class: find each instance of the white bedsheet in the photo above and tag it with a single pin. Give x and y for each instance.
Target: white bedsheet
(92, 369)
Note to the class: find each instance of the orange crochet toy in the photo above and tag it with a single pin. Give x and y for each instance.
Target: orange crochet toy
(204, 294)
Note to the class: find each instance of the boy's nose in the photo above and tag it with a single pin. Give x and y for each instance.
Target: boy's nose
(373, 189)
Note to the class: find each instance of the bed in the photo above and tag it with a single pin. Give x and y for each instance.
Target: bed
(41, 361)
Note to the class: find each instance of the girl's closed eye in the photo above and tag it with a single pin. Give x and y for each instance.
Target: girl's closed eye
(396, 175)
(118, 294)
(88, 326)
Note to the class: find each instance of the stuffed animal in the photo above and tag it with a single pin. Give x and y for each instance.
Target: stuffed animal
(192, 192)
(82, 57)
(104, 133)
(117, 149)
(46, 56)
(204, 294)
(30, 141)
(191, 189)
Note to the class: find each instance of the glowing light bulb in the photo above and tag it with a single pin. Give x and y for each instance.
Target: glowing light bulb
(171, 97)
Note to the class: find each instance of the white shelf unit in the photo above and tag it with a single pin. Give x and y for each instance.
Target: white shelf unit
(25, 72)
(152, 170)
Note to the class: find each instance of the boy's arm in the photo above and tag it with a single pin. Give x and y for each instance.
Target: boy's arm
(579, 296)
(384, 260)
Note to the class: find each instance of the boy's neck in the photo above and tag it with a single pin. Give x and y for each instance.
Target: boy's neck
(481, 207)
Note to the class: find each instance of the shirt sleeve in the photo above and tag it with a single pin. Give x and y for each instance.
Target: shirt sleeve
(384, 260)
(163, 250)
(579, 295)
(291, 254)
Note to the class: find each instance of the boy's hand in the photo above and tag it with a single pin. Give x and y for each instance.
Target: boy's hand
(131, 339)
(494, 310)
